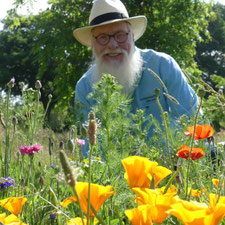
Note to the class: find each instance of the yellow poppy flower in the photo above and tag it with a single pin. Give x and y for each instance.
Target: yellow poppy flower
(191, 213)
(158, 202)
(13, 204)
(98, 195)
(216, 182)
(78, 221)
(194, 192)
(140, 170)
(140, 215)
(10, 220)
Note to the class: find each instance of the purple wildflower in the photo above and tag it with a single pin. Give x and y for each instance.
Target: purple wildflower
(29, 150)
(53, 165)
(6, 182)
(80, 141)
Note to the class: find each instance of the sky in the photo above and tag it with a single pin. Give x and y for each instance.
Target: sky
(37, 6)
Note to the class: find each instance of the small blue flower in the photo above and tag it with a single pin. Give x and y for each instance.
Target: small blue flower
(53, 165)
(6, 182)
(53, 217)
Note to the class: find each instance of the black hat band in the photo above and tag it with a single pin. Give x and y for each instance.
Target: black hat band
(107, 17)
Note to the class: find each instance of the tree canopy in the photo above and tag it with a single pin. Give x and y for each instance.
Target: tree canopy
(43, 47)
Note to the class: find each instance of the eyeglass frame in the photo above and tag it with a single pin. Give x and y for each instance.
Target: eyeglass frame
(112, 35)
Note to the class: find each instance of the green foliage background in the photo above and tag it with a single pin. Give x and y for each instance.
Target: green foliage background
(43, 47)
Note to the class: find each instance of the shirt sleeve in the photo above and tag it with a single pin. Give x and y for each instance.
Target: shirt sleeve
(178, 88)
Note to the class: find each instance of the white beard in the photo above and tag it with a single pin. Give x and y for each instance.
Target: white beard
(127, 73)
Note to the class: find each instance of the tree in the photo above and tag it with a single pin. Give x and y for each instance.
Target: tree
(173, 27)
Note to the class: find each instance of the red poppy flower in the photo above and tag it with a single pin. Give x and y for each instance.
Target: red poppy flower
(202, 131)
(185, 151)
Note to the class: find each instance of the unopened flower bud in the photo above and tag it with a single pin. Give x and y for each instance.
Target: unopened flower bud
(201, 92)
(38, 85)
(61, 145)
(157, 92)
(70, 145)
(14, 121)
(22, 181)
(41, 180)
(21, 85)
(11, 83)
(83, 132)
(49, 96)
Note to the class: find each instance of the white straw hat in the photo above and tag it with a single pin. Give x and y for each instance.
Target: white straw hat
(106, 12)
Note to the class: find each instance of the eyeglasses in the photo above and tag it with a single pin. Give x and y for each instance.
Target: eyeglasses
(120, 37)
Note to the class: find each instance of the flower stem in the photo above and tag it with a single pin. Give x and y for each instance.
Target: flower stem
(192, 143)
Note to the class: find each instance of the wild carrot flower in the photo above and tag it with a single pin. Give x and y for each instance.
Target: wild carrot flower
(78, 221)
(140, 170)
(202, 131)
(6, 182)
(13, 204)
(185, 151)
(158, 202)
(30, 150)
(9, 220)
(98, 196)
(140, 215)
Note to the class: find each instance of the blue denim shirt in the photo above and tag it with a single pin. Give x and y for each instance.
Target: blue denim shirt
(144, 95)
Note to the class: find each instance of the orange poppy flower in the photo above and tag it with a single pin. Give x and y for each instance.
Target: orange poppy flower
(9, 220)
(192, 213)
(140, 170)
(158, 202)
(140, 215)
(202, 131)
(216, 182)
(78, 221)
(185, 151)
(13, 204)
(194, 192)
(98, 195)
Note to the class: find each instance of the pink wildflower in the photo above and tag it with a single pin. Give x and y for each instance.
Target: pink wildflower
(80, 141)
(29, 150)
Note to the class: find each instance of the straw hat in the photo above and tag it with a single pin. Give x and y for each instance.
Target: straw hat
(106, 12)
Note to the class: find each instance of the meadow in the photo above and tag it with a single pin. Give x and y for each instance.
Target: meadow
(175, 177)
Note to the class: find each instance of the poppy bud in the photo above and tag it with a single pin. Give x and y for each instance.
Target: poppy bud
(41, 180)
(201, 92)
(157, 92)
(14, 121)
(11, 83)
(70, 145)
(61, 145)
(38, 85)
(49, 96)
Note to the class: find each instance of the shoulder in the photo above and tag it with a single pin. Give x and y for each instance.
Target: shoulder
(156, 57)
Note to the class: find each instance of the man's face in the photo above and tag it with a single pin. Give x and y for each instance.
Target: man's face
(113, 51)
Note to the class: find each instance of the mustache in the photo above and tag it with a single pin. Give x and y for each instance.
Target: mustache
(116, 51)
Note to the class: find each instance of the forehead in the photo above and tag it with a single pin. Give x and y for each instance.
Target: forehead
(110, 28)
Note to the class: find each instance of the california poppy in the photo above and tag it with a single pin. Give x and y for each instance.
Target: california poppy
(78, 221)
(140, 215)
(140, 170)
(195, 192)
(98, 195)
(185, 151)
(9, 220)
(192, 213)
(201, 132)
(158, 202)
(13, 204)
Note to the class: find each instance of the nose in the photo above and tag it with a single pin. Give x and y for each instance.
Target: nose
(112, 43)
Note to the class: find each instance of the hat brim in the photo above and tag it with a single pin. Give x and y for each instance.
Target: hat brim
(138, 24)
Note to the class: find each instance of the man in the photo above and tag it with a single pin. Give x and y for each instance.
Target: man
(112, 34)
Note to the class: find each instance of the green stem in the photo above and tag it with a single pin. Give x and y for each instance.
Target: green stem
(192, 143)
(89, 185)
(101, 221)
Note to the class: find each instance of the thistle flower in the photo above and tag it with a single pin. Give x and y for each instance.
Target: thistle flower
(6, 182)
